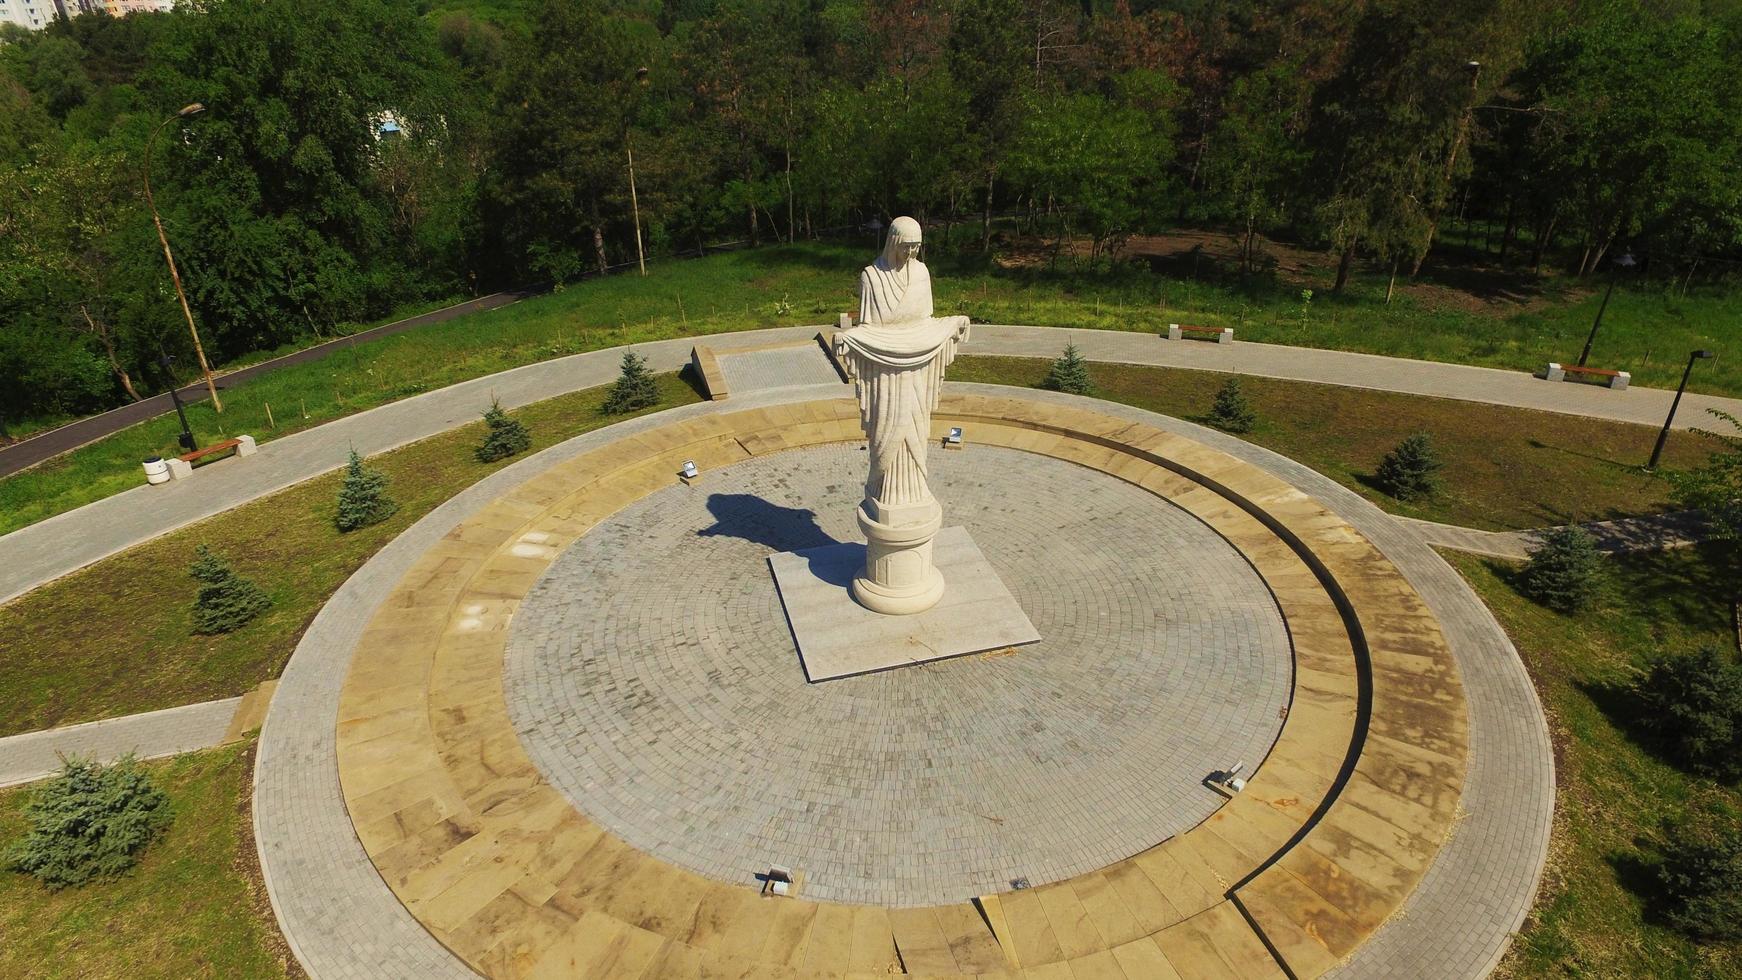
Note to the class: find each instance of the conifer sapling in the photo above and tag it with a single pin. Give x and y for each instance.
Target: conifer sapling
(1069, 374)
(1231, 412)
(227, 601)
(635, 387)
(506, 436)
(363, 498)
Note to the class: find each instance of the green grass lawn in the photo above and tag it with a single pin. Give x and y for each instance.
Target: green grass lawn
(1506, 468)
(116, 638)
(1645, 332)
(193, 906)
(1615, 792)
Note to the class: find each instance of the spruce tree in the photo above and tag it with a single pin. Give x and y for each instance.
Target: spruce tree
(635, 387)
(1231, 412)
(506, 436)
(227, 601)
(1565, 571)
(89, 822)
(363, 499)
(1701, 873)
(1069, 374)
(1694, 702)
(1409, 472)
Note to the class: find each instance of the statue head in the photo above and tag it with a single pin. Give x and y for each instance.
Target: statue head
(903, 242)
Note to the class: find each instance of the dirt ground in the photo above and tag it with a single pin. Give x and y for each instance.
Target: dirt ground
(1447, 279)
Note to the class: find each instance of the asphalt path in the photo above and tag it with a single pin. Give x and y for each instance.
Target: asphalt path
(29, 452)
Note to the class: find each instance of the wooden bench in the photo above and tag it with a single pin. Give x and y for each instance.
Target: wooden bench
(182, 466)
(1614, 379)
(1223, 335)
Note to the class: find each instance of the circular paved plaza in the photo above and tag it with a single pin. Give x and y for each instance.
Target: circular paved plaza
(653, 678)
(552, 728)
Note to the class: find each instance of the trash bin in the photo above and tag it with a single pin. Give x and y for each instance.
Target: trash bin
(156, 470)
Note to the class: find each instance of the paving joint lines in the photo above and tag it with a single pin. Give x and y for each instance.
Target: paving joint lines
(343, 920)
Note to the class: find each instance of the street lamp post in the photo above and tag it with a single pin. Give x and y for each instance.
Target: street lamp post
(1662, 437)
(187, 435)
(629, 148)
(1624, 262)
(168, 256)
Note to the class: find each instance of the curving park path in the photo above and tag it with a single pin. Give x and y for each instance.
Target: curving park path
(59, 545)
(1396, 825)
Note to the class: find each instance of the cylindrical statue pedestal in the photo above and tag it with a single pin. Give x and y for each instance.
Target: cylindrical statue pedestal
(899, 578)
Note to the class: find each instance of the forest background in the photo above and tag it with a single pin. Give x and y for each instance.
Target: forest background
(1574, 129)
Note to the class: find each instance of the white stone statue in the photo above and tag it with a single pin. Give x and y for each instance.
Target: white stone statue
(897, 355)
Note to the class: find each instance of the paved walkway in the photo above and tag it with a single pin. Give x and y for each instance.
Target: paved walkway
(1456, 923)
(152, 735)
(1653, 533)
(55, 547)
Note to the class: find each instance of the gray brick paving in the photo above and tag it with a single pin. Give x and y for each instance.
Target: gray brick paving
(654, 679)
(49, 549)
(152, 735)
(344, 922)
(782, 367)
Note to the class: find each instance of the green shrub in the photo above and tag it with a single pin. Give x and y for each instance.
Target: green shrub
(90, 822)
(227, 601)
(506, 436)
(1716, 486)
(1695, 702)
(1410, 471)
(1701, 874)
(635, 387)
(1069, 374)
(363, 499)
(1231, 412)
(1565, 572)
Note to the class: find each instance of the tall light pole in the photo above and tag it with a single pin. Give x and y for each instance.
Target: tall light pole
(1624, 262)
(1662, 437)
(628, 146)
(168, 256)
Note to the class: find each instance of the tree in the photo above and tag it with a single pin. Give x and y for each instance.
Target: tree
(88, 823)
(226, 601)
(1069, 374)
(1565, 571)
(1231, 412)
(1408, 472)
(271, 197)
(506, 436)
(363, 497)
(635, 387)
(566, 108)
(1701, 873)
(1715, 487)
(1694, 702)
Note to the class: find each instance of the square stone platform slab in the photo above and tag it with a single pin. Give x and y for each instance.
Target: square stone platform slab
(837, 637)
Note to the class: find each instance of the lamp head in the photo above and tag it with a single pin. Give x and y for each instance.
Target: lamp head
(191, 109)
(1626, 260)
(1705, 353)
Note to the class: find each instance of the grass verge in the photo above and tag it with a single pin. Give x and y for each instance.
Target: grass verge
(1506, 468)
(194, 905)
(1594, 916)
(1646, 332)
(116, 638)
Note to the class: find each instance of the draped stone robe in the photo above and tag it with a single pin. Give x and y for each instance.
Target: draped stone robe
(897, 355)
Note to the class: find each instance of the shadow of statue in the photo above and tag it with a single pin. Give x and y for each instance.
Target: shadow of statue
(747, 516)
